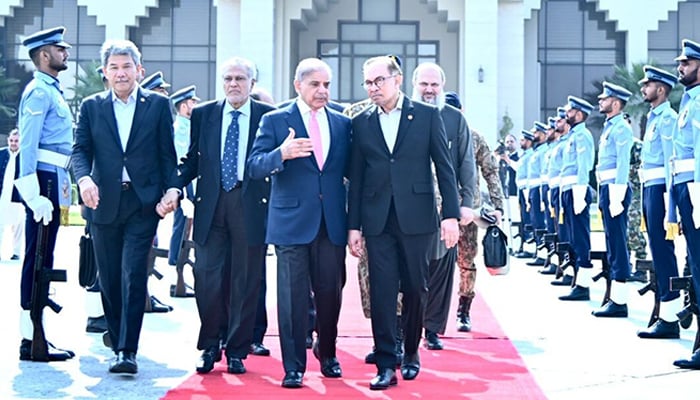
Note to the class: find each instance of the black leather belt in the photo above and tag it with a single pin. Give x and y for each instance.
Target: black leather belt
(126, 186)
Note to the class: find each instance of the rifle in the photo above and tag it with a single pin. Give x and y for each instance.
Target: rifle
(549, 241)
(648, 265)
(686, 283)
(40, 291)
(604, 273)
(565, 257)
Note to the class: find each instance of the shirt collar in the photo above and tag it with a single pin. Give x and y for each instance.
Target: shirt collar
(244, 109)
(305, 109)
(660, 108)
(694, 91)
(399, 105)
(131, 98)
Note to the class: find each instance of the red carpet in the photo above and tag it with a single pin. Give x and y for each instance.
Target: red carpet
(482, 364)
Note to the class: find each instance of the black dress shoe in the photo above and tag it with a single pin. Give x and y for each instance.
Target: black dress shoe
(385, 378)
(692, 363)
(578, 293)
(258, 349)
(661, 330)
(537, 262)
(432, 341)
(54, 354)
(124, 363)
(551, 270)
(611, 310)
(208, 358)
(638, 276)
(566, 280)
(157, 306)
(292, 380)
(107, 340)
(330, 368)
(14, 257)
(523, 254)
(235, 366)
(410, 367)
(371, 357)
(188, 292)
(96, 324)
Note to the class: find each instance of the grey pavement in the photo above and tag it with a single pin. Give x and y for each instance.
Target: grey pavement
(571, 354)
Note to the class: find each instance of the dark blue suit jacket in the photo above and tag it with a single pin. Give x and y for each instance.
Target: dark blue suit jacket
(4, 160)
(301, 193)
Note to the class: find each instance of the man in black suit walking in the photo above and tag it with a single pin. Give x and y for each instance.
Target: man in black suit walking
(230, 214)
(123, 159)
(392, 204)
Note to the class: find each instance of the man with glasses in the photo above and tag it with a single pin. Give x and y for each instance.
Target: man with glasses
(391, 205)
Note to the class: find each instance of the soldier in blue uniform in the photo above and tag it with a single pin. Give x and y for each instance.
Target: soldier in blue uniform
(576, 194)
(46, 133)
(684, 167)
(521, 173)
(615, 194)
(534, 185)
(657, 149)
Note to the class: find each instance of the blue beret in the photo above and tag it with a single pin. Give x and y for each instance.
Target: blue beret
(188, 92)
(652, 73)
(541, 126)
(452, 99)
(689, 50)
(613, 90)
(552, 122)
(52, 36)
(561, 112)
(577, 103)
(155, 81)
(528, 135)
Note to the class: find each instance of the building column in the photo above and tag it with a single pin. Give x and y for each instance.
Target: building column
(511, 65)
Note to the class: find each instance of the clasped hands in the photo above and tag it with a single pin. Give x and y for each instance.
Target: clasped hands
(168, 203)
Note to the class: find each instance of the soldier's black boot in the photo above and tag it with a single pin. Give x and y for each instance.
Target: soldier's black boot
(464, 323)
(661, 330)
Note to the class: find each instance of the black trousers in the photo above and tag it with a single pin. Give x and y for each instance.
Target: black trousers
(320, 264)
(397, 257)
(227, 275)
(260, 326)
(121, 250)
(440, 282)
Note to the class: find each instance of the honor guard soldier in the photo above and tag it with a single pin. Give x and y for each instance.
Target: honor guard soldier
(521, 174)
(684, 167)
(614, 193)
(156, 82)
(46, 131)
(551, 138)
(576, 194)
(657, 149)
(534, 185)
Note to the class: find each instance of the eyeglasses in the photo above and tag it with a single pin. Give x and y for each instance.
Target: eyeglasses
(378, 81)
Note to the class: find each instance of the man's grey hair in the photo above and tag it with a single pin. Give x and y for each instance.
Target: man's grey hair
(390, 62)
(310, 65)
(428, 65)
(247, 65)
(119, 47)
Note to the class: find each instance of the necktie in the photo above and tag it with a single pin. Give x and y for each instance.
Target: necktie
(229, 163)
(315, 136)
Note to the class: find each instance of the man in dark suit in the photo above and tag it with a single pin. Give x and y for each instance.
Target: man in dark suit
(13, 210)
(428, 86)
(123, 158)
(230, 213)
(305, 147)
(392, 203)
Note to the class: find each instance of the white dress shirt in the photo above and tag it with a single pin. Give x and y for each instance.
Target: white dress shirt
(390, 123)
(243, 129)
(323, 125)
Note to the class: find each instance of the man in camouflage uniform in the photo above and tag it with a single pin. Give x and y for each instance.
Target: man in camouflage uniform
(637, 242)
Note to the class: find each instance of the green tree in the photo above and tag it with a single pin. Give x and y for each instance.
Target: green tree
(87, 83)
(8, 92)
(506, 127)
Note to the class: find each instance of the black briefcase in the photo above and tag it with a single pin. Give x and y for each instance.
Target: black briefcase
(87, 265)
(495, 247)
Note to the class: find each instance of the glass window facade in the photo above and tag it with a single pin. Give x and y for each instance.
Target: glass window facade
(665, 43)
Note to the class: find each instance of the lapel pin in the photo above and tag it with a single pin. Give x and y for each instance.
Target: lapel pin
(142, 100)
(410, 117)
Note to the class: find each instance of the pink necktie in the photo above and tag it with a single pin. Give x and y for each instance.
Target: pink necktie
(315, 136)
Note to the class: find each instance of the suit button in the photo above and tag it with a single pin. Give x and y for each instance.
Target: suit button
(320, 196)
(391, 160)
(267, 179)
(264, 200)
(199, 176)
(199, 199)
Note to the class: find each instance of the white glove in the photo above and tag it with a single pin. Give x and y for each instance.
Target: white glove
(579, 194)
(526, 195)
(28, 188)
(616, 195)
(187, 207)
(694, 192)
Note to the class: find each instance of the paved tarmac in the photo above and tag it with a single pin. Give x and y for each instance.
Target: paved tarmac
(572, 354)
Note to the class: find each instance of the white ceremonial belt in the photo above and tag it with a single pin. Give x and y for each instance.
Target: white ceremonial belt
(545, 180)
(53, 158)
(534, 182)
(554, 181)
(646, 175)
(521, 183)
(569, 180)
(606, 175)
(678, 166)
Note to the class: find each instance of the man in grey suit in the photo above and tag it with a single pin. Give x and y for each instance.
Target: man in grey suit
(392, 204)
(428, 85)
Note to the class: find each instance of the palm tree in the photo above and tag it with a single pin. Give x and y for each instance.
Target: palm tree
(88, 83)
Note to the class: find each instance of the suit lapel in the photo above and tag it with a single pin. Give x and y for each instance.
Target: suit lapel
(253, 124)
(295, 121)
(143, 103)
(213, 144)
(405, 122)
(375, 126)
(109, 118)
